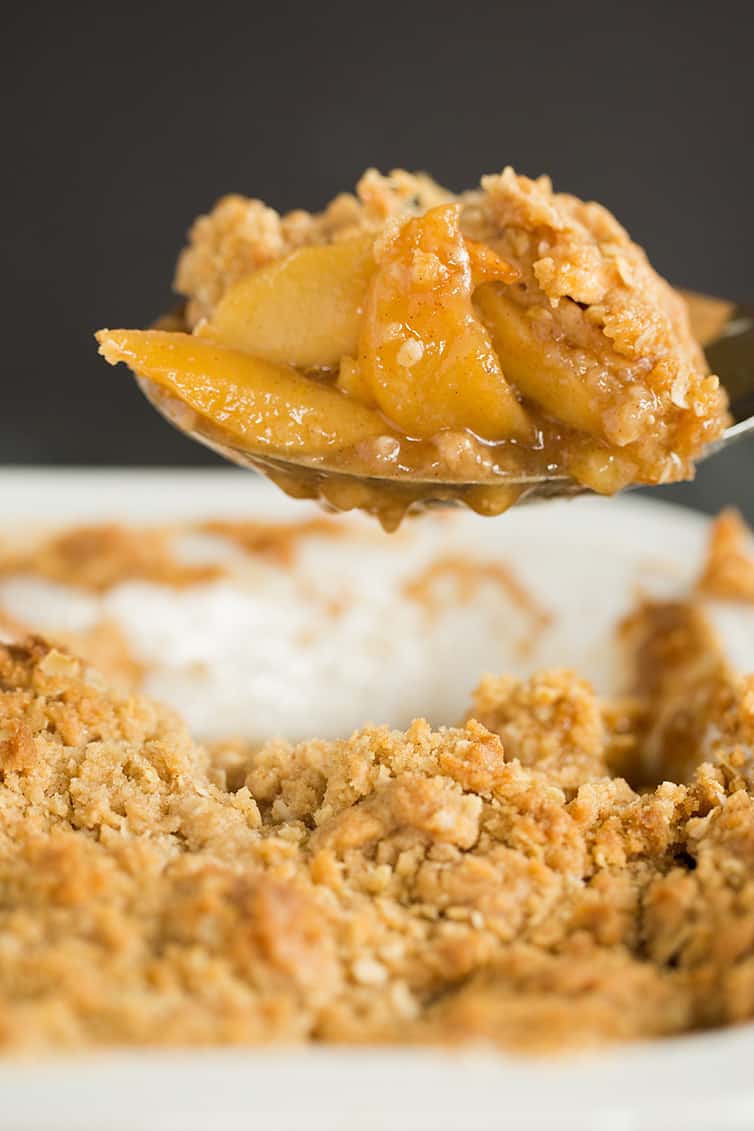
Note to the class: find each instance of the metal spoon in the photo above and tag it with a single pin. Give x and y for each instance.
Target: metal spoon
(725, 330)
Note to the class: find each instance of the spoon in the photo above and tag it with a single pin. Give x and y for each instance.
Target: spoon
(724, 329)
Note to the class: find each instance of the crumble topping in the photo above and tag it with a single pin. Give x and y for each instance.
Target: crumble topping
(587, 284)
(557, 870)
(551, 721)
(466, 576)
(100, 556)
(276, 542)
(491, 881)
(729, 569)
(241, 234)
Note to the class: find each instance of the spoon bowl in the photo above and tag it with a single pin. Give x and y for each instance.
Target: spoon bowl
(724, 329)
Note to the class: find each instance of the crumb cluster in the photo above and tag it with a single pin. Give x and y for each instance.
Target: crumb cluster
(556, 870)
(99, 556)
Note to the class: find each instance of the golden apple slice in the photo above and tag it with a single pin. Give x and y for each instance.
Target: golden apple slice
(303, 310)
(258, 405)
(539, 369)
(423, 352)
(351, 380)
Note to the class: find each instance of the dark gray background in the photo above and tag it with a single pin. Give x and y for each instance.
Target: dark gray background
(123, 123)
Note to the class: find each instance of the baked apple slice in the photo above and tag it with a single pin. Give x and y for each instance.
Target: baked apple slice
(304, 310)
(424, 356)
(255, 403)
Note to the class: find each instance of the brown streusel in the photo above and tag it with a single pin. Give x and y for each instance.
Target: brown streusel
(556, 871)
(444, 885)
(729, 568)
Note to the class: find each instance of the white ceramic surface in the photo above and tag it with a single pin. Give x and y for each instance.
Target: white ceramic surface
(334, 638)
(580, 558)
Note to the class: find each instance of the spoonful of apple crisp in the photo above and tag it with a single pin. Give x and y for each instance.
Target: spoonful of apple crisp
(408, 346)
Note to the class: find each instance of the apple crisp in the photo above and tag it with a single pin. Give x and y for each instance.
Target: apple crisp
(557, 870)
(729, 570)
(408, 338)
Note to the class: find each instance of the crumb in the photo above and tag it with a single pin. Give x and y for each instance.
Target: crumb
(466, 576)
(101, 556)
(273, 541)
(230, 761)
(241, 234)
(552, 721)
(728, 571)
